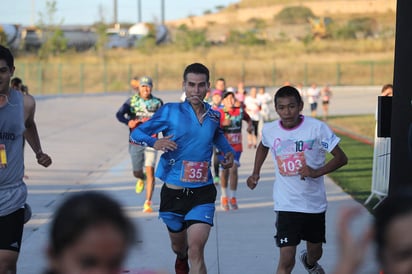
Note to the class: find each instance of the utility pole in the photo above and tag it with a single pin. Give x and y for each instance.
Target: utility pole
(33, 11)
(163, 11)
(401, 163)
(139, 11)
(115, 13)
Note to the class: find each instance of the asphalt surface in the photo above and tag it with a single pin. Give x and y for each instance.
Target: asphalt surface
(89, 150)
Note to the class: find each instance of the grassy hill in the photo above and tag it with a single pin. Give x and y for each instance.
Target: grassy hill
(261, 18)
(246, 10)
(252, 44)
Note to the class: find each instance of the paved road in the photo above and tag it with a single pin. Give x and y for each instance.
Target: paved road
(89, 150)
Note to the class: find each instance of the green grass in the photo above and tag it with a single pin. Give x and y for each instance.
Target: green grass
(362, 125)
(355, 178)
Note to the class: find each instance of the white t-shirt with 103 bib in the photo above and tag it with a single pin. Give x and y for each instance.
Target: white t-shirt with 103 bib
(307, 144)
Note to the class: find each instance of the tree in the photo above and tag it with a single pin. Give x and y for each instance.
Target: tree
(3, 37)
(101, 31)
(53, 40)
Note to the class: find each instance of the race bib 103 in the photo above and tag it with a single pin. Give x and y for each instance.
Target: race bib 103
(290, 164)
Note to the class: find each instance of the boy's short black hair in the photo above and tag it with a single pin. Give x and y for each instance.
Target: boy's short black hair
(288, 91)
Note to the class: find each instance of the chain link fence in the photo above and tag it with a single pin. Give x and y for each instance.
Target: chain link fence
(82, 78)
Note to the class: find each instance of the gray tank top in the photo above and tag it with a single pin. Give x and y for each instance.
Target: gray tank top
(13, 191)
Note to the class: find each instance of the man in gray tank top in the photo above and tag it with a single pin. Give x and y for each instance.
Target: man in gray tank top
(16, 124)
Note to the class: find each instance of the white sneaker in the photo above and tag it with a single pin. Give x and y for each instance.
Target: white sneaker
(316, 269)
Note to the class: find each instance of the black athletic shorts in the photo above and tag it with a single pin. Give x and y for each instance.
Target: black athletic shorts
(292, 227)
(180, 208)
(313, 106)
(11, 227)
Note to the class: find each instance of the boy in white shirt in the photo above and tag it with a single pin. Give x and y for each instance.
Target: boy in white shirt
(298, 145)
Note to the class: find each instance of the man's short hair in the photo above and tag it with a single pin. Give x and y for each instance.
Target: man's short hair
(196, 68)
(5, 54)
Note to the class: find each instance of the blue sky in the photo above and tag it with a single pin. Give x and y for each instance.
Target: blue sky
(26, 12)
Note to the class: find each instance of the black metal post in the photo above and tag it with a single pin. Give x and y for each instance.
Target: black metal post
(401, 163)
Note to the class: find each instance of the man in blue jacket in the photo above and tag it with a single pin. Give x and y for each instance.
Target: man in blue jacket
(190, 129)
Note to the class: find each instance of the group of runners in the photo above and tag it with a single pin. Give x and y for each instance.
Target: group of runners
(90, 231)
(208, 122)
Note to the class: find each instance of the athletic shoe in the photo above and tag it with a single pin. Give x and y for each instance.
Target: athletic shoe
(147, 207)
(316, 269)
(139, 186)
(216, 180)
(224, 203)
(233, 203)
(182, 266)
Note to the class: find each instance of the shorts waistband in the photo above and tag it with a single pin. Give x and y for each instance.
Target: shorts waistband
(174, 186)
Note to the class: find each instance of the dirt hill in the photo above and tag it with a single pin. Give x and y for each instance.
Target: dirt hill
(234, 14)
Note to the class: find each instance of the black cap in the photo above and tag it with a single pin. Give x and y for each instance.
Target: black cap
(226, 93)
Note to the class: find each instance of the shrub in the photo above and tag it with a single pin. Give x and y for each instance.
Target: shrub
(294, 15)
(244, 38)
(187, 39)
(365, 25)
(257, 23)
(355, 28)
